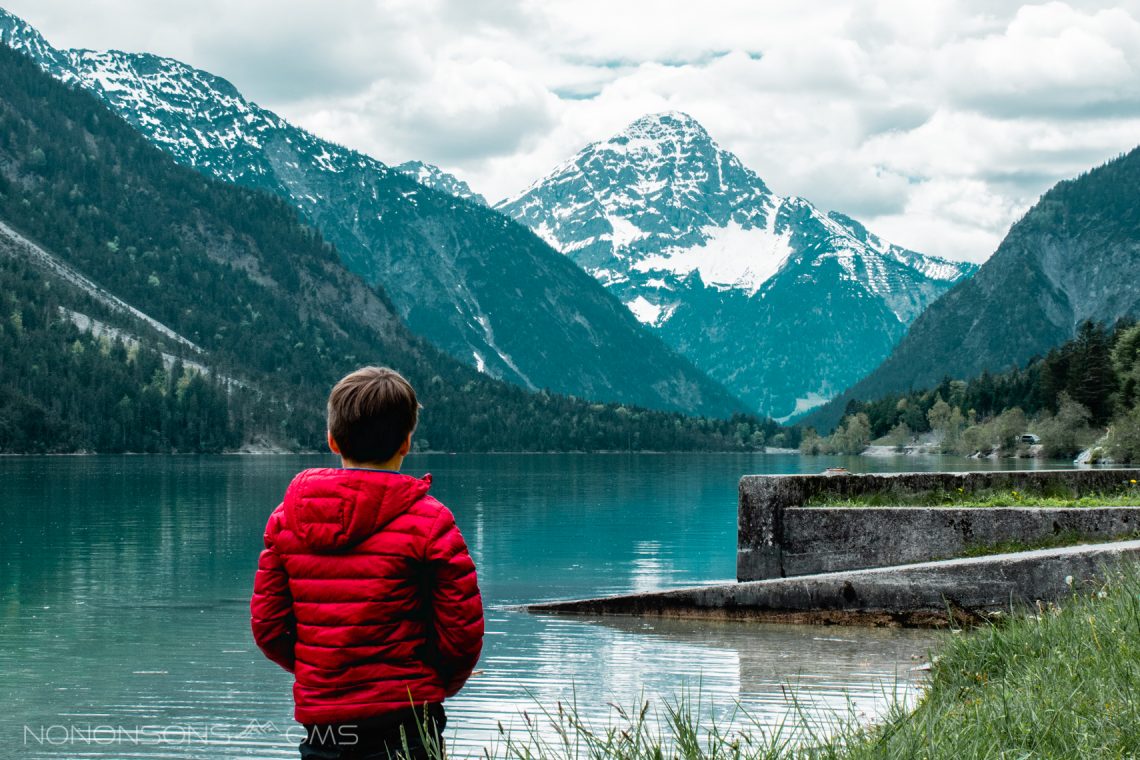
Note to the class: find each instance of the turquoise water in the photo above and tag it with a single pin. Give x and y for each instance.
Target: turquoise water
(124, 585)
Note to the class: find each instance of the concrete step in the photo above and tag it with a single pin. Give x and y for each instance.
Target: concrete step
(937, 593)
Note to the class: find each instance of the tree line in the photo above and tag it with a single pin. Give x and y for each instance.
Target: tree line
(1084, 392)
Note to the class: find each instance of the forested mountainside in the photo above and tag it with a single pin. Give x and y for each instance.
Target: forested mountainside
(1074, 256)
(477, 285)
(147, 307)
(782, 303)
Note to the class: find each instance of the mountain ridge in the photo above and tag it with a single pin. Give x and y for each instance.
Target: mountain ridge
(430, 175)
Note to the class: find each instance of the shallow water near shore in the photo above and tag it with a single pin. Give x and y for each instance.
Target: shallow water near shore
(124, 586)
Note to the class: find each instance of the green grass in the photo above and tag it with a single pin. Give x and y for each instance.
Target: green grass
(1063, 682)
(1128, 497)
(1053, 541)
(1056, 682)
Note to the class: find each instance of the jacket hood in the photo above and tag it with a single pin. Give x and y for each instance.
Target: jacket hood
(333, 509)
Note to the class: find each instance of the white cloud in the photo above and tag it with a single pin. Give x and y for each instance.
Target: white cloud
(950, 217)
(936, 123)
(460, 112)
(1052, 60)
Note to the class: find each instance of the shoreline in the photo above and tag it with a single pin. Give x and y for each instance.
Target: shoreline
(314, 452)
(871, 452)
(927, 450)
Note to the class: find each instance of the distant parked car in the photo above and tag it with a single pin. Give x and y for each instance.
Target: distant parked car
(1029, 438)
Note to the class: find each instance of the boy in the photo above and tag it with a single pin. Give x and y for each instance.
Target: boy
(365, 590)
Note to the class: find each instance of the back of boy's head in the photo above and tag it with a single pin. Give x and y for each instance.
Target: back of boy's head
(371, 413)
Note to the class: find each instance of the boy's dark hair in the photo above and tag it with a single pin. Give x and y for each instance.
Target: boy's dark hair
(371, 412)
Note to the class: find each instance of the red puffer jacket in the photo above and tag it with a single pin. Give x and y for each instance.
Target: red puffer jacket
(366, 593)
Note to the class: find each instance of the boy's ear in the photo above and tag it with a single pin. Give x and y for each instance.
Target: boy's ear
(332, 443)
(406, 446)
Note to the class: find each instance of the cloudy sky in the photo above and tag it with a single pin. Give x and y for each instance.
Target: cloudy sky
(936, 123)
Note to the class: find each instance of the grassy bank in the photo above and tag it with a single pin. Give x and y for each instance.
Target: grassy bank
(1057, 682)
(1127, 496)
(1064, 682)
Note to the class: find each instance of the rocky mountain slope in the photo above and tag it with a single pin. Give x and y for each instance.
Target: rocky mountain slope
(430, 175)
(477, 285)
(1074, 256)
(784, 304)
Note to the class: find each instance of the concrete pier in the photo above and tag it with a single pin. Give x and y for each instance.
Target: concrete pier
(895, 566)
(778, 536)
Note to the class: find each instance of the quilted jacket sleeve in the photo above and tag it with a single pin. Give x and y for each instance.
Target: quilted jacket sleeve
(271, 609)
(457, 607)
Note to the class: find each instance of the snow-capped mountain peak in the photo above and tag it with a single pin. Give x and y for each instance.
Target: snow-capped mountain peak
(660, 134)
(679, 228)
(20, 35)
(200, 118)
(652, 196)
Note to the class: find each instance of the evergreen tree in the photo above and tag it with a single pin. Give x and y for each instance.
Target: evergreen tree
(1091, 381)
(1126, 364)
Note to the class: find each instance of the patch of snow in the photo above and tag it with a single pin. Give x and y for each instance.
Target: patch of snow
(608, 277)
(939, 269)
(543, 231)
(480, 363)
(101, 329)
(732, 257)
(624, 231)
(646, 312)
(489, 339)
(805, 404)
(65, 272)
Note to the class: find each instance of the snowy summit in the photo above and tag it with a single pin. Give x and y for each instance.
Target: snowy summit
(697, 246)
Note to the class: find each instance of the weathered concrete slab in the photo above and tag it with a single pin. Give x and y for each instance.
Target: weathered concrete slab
(924, 594)
(776, 537)
(830, 540)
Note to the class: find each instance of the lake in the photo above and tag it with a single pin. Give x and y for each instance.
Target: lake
(124, 587)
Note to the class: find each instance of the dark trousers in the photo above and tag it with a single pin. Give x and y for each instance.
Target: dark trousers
(413, 734)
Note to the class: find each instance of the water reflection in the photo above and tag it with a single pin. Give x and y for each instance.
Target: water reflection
(773, 672)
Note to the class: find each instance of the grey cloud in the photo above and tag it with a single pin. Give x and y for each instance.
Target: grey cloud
(501, 15)
(860, 195)
(306, 52)
(305, 71)
(441, 139)
(1037, 171)
(1053, 104)
(878, 118)
(574, 93)
(858, 205)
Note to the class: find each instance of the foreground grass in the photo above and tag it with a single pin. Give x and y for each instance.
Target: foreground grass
(1060, 682)
(1064, 682)
(1127, 496)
